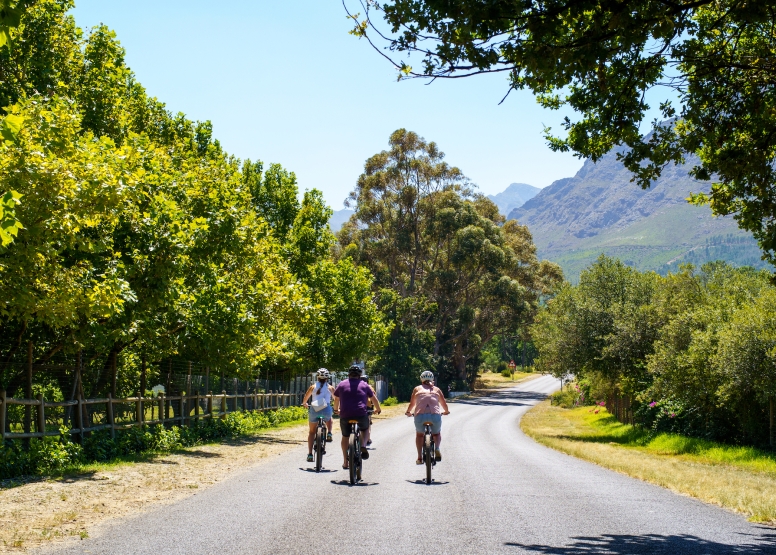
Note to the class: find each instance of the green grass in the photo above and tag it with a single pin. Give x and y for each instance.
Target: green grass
(742, 479)
(605, 428)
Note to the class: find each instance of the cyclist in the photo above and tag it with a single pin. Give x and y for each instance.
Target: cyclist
(369, 409)
(321, 393)
(350, 400)
(428, 403)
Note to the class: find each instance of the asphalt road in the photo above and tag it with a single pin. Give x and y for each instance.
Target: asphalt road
(496, 491)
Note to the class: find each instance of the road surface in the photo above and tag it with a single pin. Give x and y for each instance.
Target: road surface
(496, 491)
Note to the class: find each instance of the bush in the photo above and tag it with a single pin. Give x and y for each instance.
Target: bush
(390, 401)
(501, 366)
(566, 398)
(53, 455)
(507, 373)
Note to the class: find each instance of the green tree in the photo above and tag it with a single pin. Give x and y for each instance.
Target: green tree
(600, 59)
(456, 274)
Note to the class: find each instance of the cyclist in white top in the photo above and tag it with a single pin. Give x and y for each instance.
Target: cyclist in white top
(320, 405)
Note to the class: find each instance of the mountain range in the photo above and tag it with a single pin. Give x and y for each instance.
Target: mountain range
(514, 196)
(599, 210)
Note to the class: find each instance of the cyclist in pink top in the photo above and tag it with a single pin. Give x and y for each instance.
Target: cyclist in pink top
(428, 403)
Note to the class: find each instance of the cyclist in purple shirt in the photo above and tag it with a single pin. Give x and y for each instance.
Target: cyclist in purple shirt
(350, 400)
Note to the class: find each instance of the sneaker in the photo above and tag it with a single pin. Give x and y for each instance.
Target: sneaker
(310, 458)
(438, 455)
(364, 453)
(368, 443)
(329, 438)
(419, 461)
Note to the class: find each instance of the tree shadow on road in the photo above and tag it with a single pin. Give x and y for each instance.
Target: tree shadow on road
(615, 544)
(504, 398)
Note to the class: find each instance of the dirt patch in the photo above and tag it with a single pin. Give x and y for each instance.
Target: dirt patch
(40, 511)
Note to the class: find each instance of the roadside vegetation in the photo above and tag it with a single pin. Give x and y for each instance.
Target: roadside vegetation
(692, 353)
(739, 478)
(57, 456)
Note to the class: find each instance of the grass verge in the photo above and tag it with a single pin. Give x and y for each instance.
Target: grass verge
(742, 479)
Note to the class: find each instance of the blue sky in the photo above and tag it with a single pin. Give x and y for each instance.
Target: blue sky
(285, 82)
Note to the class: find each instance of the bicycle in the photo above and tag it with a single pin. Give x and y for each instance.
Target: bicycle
(319, 444)
(354, 453)
(429, 450)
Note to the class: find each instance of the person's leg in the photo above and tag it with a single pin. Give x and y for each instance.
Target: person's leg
(438, 439)
(311, 437)
(419, 443)
(344, 445)
(345, 429)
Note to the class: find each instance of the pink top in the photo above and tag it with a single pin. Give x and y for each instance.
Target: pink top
(427, 400)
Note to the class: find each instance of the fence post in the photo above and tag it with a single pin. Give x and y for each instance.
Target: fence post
(210, 404)
(28, 391)
(196, 408)
(224, 407)
(41, 415)
(110, 416)
(143, 376)
(80, 418)
(162, 411)
(182, 407)
(3, 413)
(139, 410)
(772, 431)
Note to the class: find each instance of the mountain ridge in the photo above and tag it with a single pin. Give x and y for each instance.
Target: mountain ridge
(598, 210)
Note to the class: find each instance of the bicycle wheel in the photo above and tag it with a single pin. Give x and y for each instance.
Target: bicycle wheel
(359, 460)
(352, 458)
(319, 442)
(428, 455)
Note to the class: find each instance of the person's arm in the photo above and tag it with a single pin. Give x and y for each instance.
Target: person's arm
(442, 401)
(375, 402)
(336, 401)
(307, 396)
(412, 403)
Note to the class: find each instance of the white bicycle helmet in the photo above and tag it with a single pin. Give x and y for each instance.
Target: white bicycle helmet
(427, 376)
(323, 373)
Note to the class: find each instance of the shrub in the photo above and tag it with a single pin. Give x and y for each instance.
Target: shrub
(566, 398)
(390, 401)
(507, 373)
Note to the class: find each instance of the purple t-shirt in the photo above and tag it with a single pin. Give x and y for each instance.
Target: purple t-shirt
(353, 395)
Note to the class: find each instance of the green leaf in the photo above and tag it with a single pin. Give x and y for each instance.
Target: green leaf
(11, 127)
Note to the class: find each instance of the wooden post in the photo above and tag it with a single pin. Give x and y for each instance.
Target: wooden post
(80, 418)
(3, 413)
(41, 415)
(182, 407)
(28, 391)
(207, 379)
(114, 371)
(111, 423)
(210, 403)
(162, 412)
(139, 410)
(196, 408)
(143, 376)
(224, 407)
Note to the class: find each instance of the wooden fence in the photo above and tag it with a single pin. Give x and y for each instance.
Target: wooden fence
(119, 414)
(620, 407)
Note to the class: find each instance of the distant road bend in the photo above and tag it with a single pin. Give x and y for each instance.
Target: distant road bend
(496, 491)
